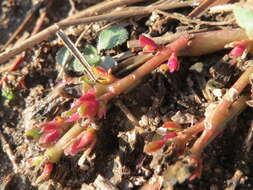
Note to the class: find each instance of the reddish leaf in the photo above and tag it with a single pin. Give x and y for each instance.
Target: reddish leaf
(238, 50)
(173, 63)
(170, 135)
(50, 137)
(154, 146)
(147, 44)
(172, 126)
(82, 141)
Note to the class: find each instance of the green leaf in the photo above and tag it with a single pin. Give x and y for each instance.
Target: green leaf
(107, 62)
(34, 133)
(90, 53)
(76, 66)
(90, 50)
(244, 17)
(62, 55)
(111, 37)
(7, 93)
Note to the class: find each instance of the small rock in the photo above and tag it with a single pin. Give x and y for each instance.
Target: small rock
(197, 67)
(144, 121)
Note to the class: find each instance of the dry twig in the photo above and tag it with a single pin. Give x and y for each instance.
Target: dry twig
(205, 4)
(185, 20)
(50, 31)
(128, 114)
(76, 20)
(7, 149)
(22, 25)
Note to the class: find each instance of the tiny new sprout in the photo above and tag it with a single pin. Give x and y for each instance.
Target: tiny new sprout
(149, 46)
(173, 63)
(49, 132)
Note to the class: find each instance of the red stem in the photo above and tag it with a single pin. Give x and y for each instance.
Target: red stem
(223, 113)
(128, 81)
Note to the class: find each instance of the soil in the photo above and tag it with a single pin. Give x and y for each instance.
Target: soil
(118, 155)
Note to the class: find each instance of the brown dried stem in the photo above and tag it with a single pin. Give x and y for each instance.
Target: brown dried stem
(83, 18)
(205, 4)
(127, 112)
(50, 31)
(183, 19)
(7, 148)
(22, 25)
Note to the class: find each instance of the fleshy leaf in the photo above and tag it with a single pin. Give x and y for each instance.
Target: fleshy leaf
(90, 54)
(238, 50)
(62, 55)
(82, 141)
(244, 17)
(47, 170)
(35, 161)
(111, 37)
(107, 62)
(147, 44)
(34, 133)
(154, 146)
(172, 126)
(77, 66)
(173, 63)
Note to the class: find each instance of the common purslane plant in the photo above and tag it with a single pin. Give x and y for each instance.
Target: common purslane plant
(73, 132)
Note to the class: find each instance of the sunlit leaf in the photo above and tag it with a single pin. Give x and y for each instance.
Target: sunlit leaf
(62, 55)
(34, 133)
(77, 66)
(90, 54)
(107, 62)
(244, 17)
(111, 37)
(7, 93)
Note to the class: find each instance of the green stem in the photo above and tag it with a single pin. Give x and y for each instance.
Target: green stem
(54, 153)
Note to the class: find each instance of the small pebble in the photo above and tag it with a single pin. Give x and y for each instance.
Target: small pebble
(144, 121)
